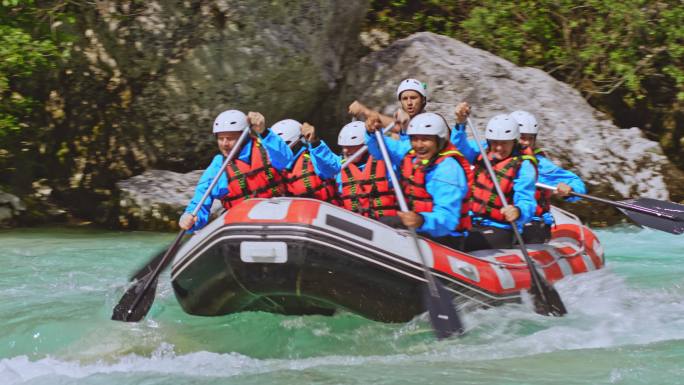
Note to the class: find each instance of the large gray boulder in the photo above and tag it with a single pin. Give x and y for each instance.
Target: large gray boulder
(614, 162)
(11, 209)
(155, 199)
(175, 65)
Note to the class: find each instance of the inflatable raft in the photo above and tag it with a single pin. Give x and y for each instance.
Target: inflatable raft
(304, 256)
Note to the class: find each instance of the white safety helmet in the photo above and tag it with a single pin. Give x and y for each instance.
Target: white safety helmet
(289, 130)
(230, 121)
(413, 85)
(527, 123)
(502, 127)
(428, 123)
(352, 134)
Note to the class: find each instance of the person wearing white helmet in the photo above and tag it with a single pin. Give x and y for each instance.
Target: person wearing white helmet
(435, 178)
(289, 130)
(302, 174)
(363, 186)
(412, 96)
(538, 230)
(516, 168)
(254, 173)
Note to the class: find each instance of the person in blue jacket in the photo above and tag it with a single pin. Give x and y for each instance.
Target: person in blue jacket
(517, 176)
(433, 179)
(412, 96)
(227, 128)
(362, 184)
(350, 139)
(302, 175)
(539, 229)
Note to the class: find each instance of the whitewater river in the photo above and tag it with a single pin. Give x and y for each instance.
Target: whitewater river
(58, 286)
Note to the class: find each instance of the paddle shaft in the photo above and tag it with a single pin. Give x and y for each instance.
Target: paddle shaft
(536, 280)
(626, 206)
(404, 207)
(172, 249)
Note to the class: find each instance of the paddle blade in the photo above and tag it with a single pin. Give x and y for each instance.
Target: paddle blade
(546, 299)
(128, 302)
(666, 207)
(672, 220)
(137, 300)
(443, 316)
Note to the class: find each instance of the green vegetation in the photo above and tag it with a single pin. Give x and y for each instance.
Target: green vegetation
(625, 56)
(29, 51)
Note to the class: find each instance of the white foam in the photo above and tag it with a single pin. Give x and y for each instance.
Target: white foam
(604, 312)
(606, 308)
(164, 361)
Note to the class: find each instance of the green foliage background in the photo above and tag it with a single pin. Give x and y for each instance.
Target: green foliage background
(30, 53)
(625, 56)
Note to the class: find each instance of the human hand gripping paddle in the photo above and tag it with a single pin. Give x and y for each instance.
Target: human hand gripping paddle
(546, 299)
(656, 214)
(137, 300)
(439, 302)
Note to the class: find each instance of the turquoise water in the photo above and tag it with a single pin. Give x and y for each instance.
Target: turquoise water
(58, 286)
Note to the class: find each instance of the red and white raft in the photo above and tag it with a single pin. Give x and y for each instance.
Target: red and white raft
(303, 256)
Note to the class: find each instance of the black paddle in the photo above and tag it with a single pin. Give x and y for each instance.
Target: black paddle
(546, 299)
(137, 300)
(439, 302)
(656, 214)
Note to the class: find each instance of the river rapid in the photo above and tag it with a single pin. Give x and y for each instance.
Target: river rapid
(58, 286)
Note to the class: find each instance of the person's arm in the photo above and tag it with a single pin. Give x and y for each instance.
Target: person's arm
(397, 149)
(447, 185)
(551, 174)
(458, 137)
(338, 183)
(219, 190)
(465, 146)
(385, 119)
(523, 192)
(279, 152)
(296, 156)
(326, 163)
(359, 111)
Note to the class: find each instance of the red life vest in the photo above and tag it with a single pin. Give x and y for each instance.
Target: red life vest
(258, 179)
(485, 201)
(368, 192)
(382, 202)
(418, 198)
(543, 196)
(353, 196)
(302, 181)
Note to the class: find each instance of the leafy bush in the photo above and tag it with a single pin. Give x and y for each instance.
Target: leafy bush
(29, 50)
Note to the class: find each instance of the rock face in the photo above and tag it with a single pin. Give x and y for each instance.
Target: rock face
(280, 58)
(178, 64)
(155, 199)
(615, 163)
(145, 80)
(11, 208)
